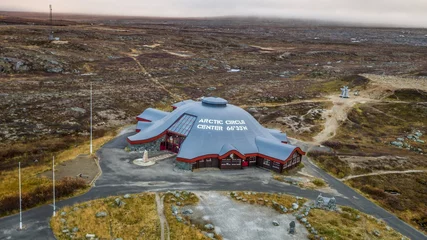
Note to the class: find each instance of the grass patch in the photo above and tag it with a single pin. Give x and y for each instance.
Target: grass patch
(41, 194)
(355, 82)
(405, 195)
(318, 182)
(373, 126)
(31, 181)
(331, 163)
(137, 219)
(349, 224)
(410, 95)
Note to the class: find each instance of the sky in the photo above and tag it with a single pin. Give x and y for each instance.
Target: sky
(402, 13)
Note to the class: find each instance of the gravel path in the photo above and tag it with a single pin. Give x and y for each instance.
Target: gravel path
(163, 221)
(382, 173)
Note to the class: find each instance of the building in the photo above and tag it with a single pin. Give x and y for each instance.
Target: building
(213, 133)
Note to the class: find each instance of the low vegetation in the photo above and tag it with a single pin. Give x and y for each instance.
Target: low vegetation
(301, 120)
(331, 163)
(136, 218)
(41, 194)
(182, 229)
(403, 194)
(319, 182)
(349, 224)
(373, 126)
(33, 183)
(409, 95)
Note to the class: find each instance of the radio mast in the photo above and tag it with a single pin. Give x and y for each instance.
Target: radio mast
(51, 24)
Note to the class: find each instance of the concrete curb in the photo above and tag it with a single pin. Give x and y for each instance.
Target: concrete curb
(92, 183)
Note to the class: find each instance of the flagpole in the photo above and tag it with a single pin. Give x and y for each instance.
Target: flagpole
(91, 118)
(20, 198)
(53, 177)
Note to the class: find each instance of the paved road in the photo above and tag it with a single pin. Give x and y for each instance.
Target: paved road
(120, 176)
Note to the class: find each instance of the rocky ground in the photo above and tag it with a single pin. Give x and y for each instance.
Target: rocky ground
(136, 63)
(287, 74)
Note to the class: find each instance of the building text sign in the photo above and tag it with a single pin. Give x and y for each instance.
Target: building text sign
(222, 125)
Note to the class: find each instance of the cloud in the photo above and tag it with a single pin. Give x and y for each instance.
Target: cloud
(406, 13)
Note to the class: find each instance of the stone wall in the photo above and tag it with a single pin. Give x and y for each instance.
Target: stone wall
(153, 146)
(183, 165)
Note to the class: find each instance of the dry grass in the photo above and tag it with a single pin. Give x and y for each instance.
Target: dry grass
(349, 224)
(409, 201)
(29, 175)
(319, 182)
(267, 199)
(137, 219)
(9, 182)
(182, 230)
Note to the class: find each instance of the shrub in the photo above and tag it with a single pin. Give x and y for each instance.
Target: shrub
(319, 182)
(40, 195)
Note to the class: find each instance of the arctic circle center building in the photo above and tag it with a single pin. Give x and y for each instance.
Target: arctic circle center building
(213, 133)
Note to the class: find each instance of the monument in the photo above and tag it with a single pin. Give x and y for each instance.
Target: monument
(292, 227)
(344, 92)
(326, 203)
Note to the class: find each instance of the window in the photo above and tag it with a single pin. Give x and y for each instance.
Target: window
(266, 162)
(183, 125)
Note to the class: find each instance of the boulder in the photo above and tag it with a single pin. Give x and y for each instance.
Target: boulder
(209, 226)
(397, 144)
(63, 213)
(187, 211)
(376, 233)
(101, 214)
(276, 223)
(126, 196)
(75, 229)
(90, 235)
(209, 235)
(295, 206)
(179, 218)
(119, 202)
(303, 220)
(252, 110)
(174, 209)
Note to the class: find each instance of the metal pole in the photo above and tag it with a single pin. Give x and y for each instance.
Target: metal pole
(53, 176)
(20, 198)
(91, 118)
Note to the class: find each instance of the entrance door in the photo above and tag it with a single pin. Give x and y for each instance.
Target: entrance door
(245, 163)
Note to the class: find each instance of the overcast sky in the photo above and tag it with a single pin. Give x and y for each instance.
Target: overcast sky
(384, 12)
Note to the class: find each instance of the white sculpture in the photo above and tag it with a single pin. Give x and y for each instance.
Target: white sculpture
(344, 92)
(145, 157)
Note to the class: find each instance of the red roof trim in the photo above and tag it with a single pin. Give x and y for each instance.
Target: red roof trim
(242, 156)
(146, 140)
(142, 119)
(230, 152)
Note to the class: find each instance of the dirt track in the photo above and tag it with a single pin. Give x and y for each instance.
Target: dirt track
(336, 115)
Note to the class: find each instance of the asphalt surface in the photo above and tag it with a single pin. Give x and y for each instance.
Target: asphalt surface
(120, 176)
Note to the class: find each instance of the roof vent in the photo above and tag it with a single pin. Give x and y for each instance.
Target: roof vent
(214, 101)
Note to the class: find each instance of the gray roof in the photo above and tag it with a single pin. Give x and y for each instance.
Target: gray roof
(278, 134)
(152, 114)
(179, 104)
(218, 128)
